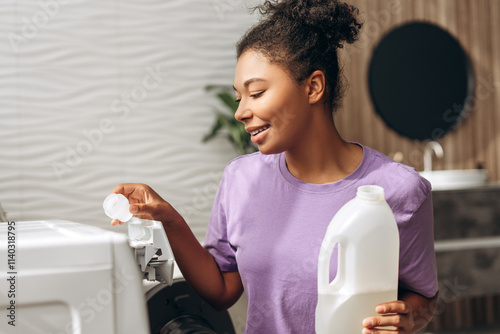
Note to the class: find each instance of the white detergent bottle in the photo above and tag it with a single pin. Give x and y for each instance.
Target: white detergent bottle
(368, 260)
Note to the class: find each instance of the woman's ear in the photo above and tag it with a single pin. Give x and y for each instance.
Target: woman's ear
(316, 86)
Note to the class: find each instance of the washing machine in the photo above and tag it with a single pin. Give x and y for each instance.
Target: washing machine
(59, 277)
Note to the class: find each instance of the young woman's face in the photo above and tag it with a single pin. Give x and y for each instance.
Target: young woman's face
(272, 105)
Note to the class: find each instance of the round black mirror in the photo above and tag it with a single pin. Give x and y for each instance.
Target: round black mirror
(421, 81)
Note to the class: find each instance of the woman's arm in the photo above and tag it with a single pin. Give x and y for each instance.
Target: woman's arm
(199, 268)
(197, 265)
(408, 315)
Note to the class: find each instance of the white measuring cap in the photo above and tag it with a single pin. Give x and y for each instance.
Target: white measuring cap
(116, 206)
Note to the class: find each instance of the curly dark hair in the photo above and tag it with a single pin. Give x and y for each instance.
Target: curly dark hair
(303, 36)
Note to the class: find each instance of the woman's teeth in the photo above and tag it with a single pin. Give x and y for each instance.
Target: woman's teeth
(253, 133)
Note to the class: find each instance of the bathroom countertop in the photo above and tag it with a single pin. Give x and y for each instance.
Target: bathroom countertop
(491, 186)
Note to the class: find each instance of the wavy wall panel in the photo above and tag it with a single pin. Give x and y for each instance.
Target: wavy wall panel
(95, 93)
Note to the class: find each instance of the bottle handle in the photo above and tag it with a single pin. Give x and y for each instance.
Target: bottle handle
(325, 255)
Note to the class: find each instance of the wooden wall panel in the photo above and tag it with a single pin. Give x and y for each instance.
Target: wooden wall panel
(475, 23)
(495, 28)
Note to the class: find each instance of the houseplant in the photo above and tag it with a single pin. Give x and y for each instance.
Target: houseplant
(225, 121)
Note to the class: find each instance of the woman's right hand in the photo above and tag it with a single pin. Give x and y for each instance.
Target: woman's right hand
(197, 265)
(145, 203)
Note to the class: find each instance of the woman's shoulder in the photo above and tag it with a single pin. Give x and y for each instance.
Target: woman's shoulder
(400, 180)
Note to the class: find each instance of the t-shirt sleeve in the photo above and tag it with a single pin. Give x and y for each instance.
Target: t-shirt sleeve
(417, 264)
(216, 240)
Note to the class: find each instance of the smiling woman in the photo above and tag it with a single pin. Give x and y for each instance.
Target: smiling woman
(271, 103)
(272, 207)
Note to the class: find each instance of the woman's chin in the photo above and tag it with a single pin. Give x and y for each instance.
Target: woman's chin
(267, 149)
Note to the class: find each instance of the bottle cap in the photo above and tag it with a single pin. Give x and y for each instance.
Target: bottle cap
(116, 206)
(371, 193)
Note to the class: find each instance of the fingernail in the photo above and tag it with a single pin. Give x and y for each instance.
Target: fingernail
(380, 309)
(134, 209)
(367, 323)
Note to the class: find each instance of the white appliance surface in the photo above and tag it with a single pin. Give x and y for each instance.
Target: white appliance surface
(70, 278)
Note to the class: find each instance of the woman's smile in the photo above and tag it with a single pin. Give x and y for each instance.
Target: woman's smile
(258, 133)
(271, 103)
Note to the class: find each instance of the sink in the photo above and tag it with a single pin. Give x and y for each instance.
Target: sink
(456, 178)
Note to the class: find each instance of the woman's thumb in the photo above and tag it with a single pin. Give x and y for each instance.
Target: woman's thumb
(143, 211)
(138, 208)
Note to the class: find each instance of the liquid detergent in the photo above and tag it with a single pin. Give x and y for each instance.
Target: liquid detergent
(367, 236)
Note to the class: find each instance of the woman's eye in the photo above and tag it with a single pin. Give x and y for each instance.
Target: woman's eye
(257, 94)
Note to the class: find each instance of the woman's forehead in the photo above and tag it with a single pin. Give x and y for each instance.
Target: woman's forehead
(254, 67)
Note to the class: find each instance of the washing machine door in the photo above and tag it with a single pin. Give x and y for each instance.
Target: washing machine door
(177, 309)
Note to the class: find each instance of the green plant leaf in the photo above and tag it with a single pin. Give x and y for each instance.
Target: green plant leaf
(236, 135)
(229, 100)
(215, 127)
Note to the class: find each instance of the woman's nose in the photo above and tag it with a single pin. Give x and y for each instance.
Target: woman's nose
(242, 113)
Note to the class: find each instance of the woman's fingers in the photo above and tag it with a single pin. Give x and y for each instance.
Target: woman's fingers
(116, 222)
(122, 189)
(135, 192)
(396, 320)
(136, 195)
(397, 306)
(143, 211)
(380, 331)
(145, 203)
(396, 314)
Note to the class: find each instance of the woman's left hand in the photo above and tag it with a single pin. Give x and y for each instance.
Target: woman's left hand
(397, 314)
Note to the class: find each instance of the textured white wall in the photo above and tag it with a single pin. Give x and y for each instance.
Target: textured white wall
(94, 93)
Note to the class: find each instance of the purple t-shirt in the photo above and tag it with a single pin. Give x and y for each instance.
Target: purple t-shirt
(269, 226)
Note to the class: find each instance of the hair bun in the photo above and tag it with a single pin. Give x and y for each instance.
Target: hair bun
(337, 20)
(303, 36)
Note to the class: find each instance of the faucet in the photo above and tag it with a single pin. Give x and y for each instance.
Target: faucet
(435, 147)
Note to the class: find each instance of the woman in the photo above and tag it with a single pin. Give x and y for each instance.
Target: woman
(273, 207)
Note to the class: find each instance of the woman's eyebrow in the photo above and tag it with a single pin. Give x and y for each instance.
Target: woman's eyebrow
(249, 81)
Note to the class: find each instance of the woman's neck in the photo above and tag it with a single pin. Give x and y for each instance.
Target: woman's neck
(322, 156)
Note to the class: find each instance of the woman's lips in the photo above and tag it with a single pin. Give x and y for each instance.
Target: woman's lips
(258, 135)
